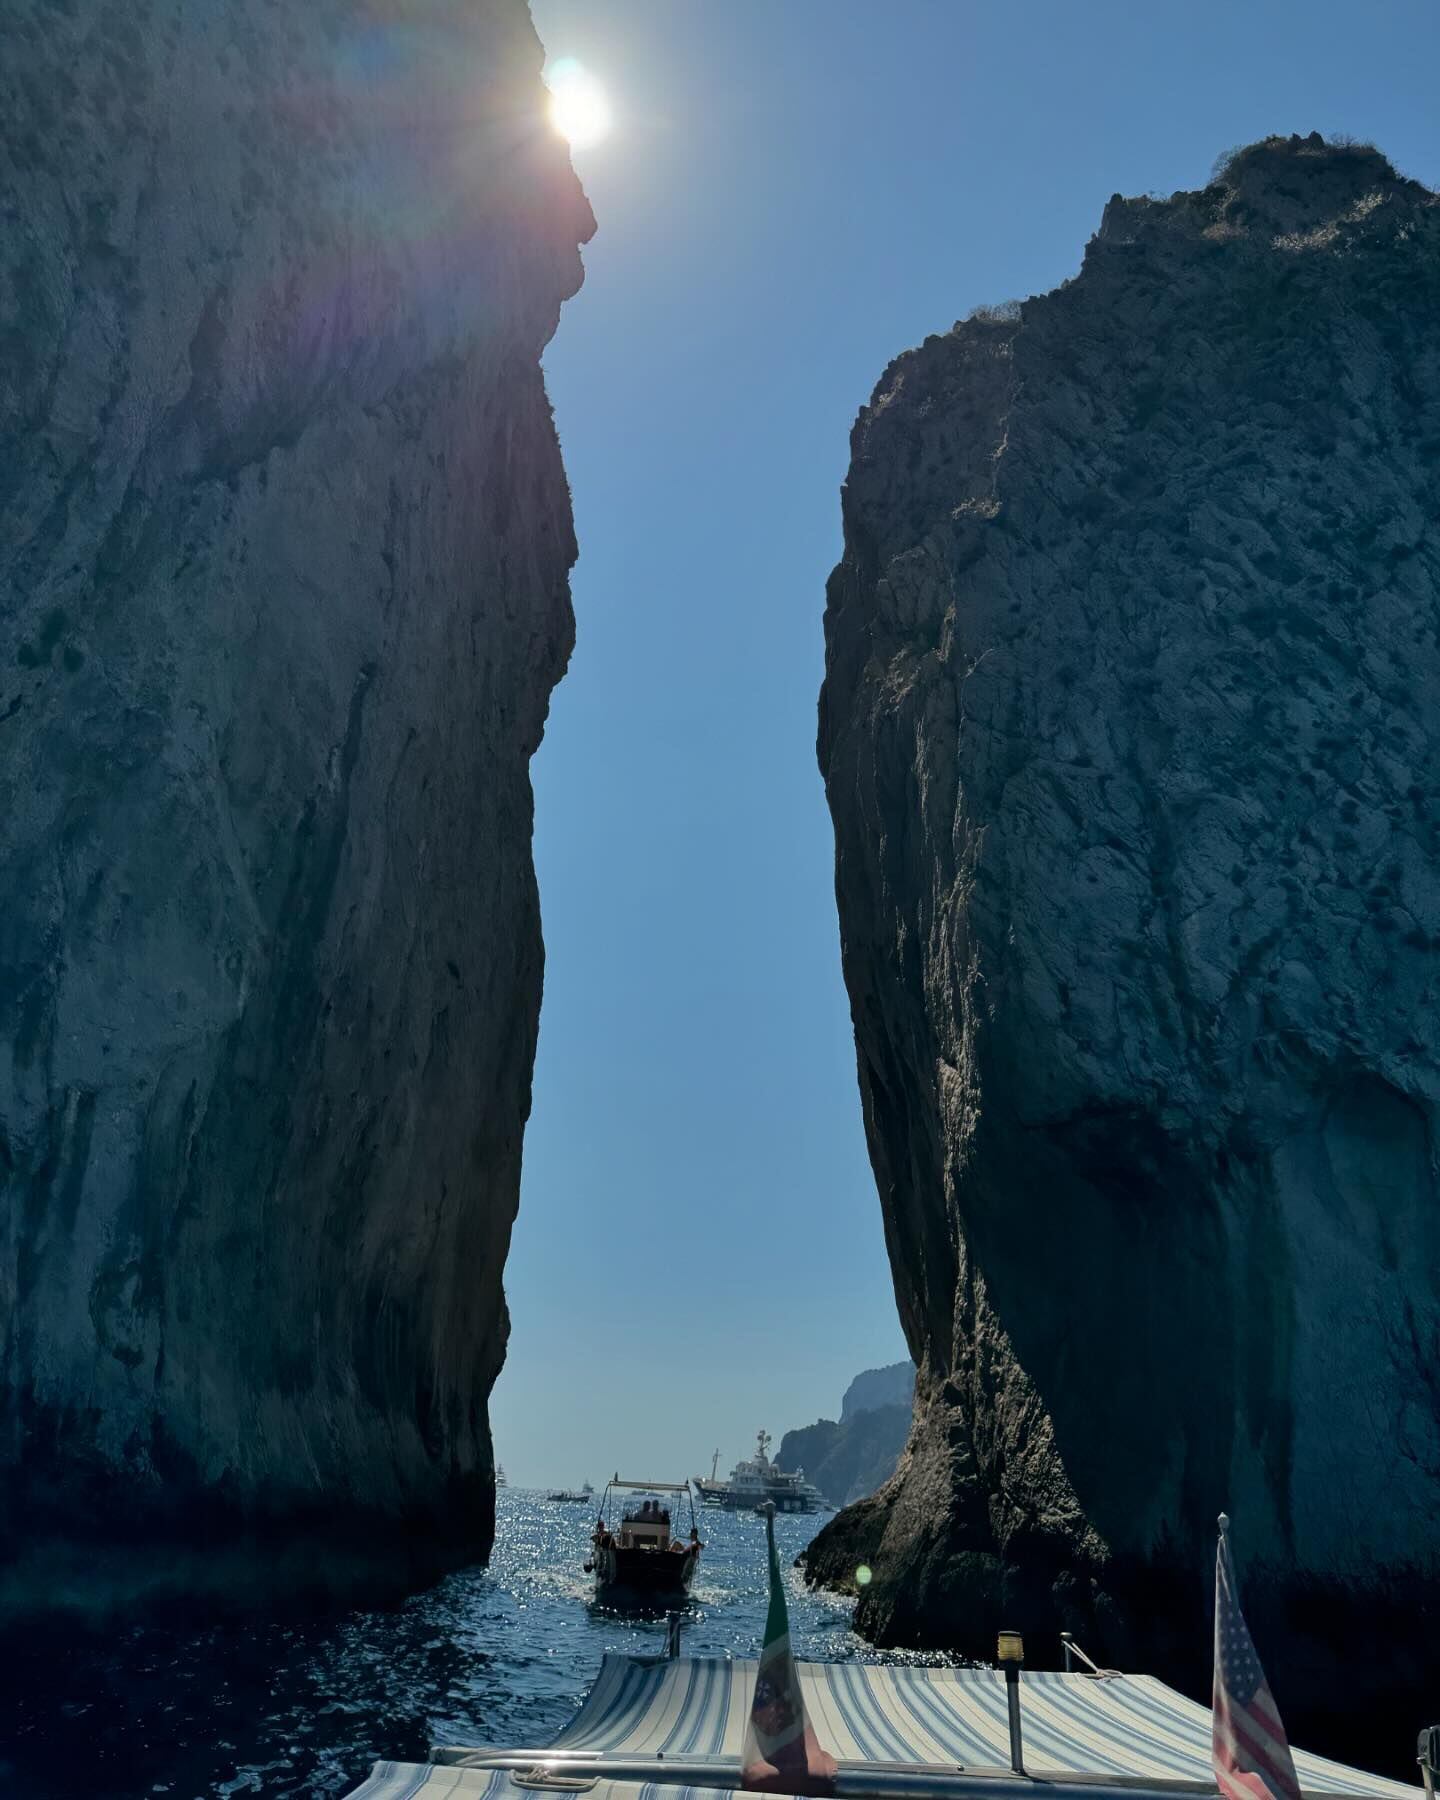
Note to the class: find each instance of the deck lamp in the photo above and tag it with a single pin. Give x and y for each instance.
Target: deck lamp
(1010, 1653)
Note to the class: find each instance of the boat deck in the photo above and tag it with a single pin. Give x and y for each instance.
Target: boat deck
(655, 1729)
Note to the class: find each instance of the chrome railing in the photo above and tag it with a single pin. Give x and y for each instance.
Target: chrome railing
(576, 1771)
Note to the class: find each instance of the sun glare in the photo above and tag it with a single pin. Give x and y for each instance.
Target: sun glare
(579, 109)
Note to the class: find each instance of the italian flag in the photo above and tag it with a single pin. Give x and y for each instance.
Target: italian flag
(781, 1754)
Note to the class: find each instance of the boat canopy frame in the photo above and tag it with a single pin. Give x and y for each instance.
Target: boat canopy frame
(617, 1483)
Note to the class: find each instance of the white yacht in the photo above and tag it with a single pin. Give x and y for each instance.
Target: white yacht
(755, 1480)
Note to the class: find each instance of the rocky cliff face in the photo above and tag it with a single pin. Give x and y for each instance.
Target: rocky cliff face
(850, 1458)
(1129, 731)
(894, 1385)
(284, 545)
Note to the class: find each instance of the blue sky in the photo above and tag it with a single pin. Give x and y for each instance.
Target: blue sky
(794, 192)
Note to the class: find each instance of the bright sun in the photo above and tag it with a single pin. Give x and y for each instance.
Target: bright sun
(579, 109)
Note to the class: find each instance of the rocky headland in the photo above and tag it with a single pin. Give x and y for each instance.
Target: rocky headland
(849, 1457)
(872, 1389)
(1129, 732)
(284, 550)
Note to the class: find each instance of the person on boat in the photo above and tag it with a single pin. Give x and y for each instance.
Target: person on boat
(695, 1543)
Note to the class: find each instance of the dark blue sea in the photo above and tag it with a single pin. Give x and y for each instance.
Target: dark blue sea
(503, 1653)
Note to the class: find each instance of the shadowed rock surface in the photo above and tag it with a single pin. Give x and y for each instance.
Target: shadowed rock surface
(284, 546)
(1129, 735)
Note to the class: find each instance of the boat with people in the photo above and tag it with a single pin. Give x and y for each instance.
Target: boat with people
(643, 1556)
(756, 1481)
(674, 1727)
(573, 1496)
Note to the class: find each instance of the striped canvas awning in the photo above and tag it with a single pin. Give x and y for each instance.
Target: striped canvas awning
(1130, 1727)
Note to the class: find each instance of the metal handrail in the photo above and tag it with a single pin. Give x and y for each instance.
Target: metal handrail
(853, 1780)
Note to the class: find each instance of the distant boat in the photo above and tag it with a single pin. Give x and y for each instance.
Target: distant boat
(569, 1497)
(756, 1480)
(500, 1480)
(640, 1561)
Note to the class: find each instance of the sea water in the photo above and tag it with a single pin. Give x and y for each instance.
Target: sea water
(495, 1655)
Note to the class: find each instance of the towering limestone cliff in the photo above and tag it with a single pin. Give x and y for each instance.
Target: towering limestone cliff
(284, 546)
(1129, 731)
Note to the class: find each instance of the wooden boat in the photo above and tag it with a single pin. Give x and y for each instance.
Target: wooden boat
(654, 1728)
(642, 1558)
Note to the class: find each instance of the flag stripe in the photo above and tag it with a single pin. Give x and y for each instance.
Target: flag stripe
(1248, 1729)
(1244, 1750)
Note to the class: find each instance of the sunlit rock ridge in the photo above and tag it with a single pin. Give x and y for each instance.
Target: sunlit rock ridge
(284, 543)
(1129, 732)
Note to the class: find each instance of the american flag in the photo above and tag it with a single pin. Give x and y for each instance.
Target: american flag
(1249, 1748)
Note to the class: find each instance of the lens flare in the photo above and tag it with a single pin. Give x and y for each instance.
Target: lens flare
(862, 1575)
(579, 108)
